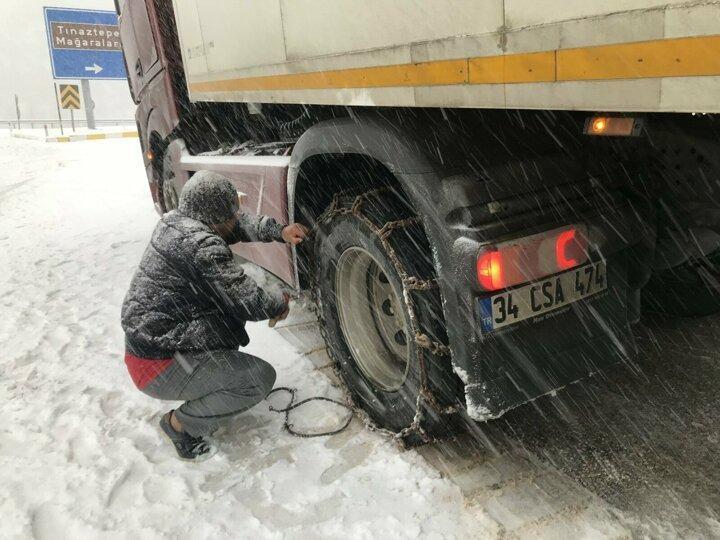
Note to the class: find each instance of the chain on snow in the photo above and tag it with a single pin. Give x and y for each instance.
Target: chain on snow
(409, 283)
(292, 405)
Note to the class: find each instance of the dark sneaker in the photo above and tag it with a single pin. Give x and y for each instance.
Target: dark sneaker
(187, 446)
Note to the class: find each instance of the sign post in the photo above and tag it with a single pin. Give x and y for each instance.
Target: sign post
(84, 44)
(57, 104)
(89, 103)
(17, 109)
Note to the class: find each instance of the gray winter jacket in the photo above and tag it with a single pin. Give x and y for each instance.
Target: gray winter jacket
(189, 294)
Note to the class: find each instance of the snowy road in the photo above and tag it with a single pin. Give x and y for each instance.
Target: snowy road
(80, 455)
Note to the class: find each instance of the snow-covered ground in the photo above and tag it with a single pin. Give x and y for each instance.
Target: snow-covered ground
(80, 453)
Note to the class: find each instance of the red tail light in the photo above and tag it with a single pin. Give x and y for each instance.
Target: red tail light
(532, 257)
(490, 270)
(567, 250)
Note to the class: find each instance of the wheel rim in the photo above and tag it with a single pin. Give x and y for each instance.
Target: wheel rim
(372, 319)
(170, 194)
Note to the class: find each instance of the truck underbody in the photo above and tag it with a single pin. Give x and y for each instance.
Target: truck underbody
(492, 185)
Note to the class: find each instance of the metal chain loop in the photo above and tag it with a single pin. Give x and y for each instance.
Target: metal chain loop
(433, 346)
(390, 226)
(292, 405)
(416, 284)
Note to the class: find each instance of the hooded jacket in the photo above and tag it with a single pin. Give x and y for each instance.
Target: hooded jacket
(188, 294)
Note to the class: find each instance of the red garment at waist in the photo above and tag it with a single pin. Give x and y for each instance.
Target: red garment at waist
(144, 370)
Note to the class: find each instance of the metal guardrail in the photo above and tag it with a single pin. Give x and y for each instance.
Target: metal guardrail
(50, 124)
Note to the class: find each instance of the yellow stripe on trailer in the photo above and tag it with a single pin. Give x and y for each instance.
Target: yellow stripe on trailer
(420, 74)
(681, 57)
(513, 68)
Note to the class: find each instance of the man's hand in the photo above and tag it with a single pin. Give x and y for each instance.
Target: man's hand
(294, 233)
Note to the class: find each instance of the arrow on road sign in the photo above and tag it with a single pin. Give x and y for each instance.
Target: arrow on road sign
(97, 69)
(69, 96)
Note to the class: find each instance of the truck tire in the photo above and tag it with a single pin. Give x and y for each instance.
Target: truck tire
(689, 290)
(370, 253)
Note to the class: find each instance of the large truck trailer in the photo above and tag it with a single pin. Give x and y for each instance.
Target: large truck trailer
(497, 188)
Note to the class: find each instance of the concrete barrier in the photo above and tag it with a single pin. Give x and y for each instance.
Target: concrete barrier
(77, 137)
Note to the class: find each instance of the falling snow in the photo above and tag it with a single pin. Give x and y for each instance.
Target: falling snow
(631, 452)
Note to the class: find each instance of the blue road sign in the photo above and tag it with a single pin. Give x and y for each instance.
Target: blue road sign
(84, 44)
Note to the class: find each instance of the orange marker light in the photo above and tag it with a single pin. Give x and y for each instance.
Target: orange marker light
(613, 126)
(490, 270)
(599, 125)
(149, 155)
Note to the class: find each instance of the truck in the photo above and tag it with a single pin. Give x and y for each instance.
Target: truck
(497, 189)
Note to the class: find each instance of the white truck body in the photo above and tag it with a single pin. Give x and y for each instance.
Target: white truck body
(614, 55)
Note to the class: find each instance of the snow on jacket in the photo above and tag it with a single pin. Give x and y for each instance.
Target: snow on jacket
(189, 294)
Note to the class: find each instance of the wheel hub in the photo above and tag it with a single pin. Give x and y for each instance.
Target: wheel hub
(372, 319)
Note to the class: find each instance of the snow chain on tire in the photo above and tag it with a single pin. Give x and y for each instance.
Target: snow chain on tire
(409, 283)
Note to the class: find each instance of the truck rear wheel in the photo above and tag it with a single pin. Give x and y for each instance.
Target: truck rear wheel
(381, 314)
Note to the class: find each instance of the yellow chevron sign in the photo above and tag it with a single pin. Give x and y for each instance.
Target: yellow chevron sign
(69, 96)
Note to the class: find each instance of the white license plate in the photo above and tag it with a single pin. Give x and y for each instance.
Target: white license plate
(542, 296)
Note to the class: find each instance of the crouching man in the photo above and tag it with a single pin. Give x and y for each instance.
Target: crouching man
(184, 315)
